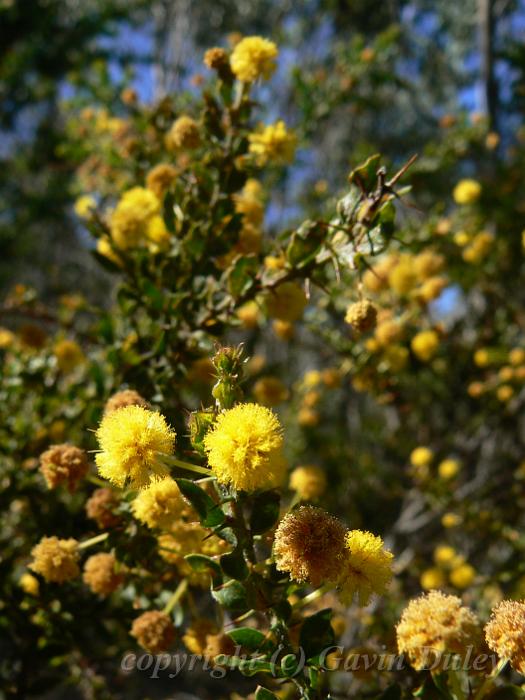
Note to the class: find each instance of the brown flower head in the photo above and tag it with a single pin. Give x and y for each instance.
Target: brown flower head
(100, 574)
(505, 632)
(309, 545)
(100, 508)
(56, 560)
(63, 464)
(126, 397)
(154, 631)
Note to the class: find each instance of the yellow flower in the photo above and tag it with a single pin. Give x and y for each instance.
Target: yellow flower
(504, 393)
(158, 234)
(482, 357)
(253, 58)
(425, 344)
(132, 441)
(56, 560)
(249, 314)
(388, 331)
(133, 213)
(29, 584)
(367, 567)
(63, 464)
(450, 520)
(101, 573)
(309, 482)
(160, 505)
(273, 143)
(462, 576)
(244, 448)
(403, 276)
(270, 391)
(361, 316)
(433, 625)
(184, 133)
(105, 248)
(421, 457)
(466, 191)
(160, 178)
(504, 633)
(444, 555)
(190, 538)
(517, 356)
(432, 578)
(285, 303)
(154, 631)
(309, 545)
(249, 203)
(7, 338)
(84, 206)
(449, 468)
(68, 355)
(100, 507)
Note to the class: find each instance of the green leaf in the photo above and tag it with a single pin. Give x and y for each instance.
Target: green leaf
(241, 275)
(393, 692)
(232, 596)
(200, 562)
(249, 638)
(248, 667)
(265, 512)
(234, 565)
(210, 513)
(317, 634)
(264, 694)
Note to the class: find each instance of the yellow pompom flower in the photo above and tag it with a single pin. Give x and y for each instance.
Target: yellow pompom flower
(421, 457)
(105, 249)
(132, 441)
(432, 578)
(309, 482)
(68, 354)
(84, 206)
(102, 574)
(285, 303)
(462, 576)
(436, 624)
(504, 633)
(449, 468)
(367, 567)
(466, 191)
(425, 344)
(249, 314)
(190, 538)
(253, 58)
(449, 520)
(444, 555)
(154, 631)
(482, 357)
(244, 448)
(56, 560)
(160, 505)
(133, 213)
(273, 143)
(29, 584)
(184, 133)
(361, 315)
(270, 391)
(249, 203)
(159, 179)
(7, 338)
